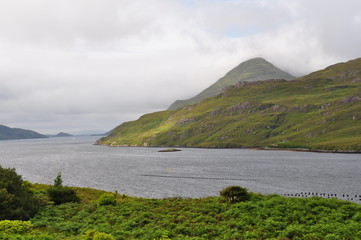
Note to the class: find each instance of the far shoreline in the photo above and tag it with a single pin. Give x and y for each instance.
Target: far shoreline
(249, 148)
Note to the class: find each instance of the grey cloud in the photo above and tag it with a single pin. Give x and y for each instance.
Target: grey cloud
(339, 33)
(68, 22)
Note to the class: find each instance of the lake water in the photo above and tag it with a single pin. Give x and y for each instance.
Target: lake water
(192, 172)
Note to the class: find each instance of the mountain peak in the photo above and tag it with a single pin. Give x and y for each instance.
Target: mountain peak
(255, 60)
(255, 69)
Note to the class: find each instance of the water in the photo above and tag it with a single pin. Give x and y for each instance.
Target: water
(145, 172)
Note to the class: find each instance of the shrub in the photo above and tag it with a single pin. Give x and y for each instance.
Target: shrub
(107, 199)
(17, 201)
(15, 227)
(60, 194)
(235, 194)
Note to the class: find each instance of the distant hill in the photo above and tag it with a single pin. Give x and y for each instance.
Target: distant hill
(320, 111)
(7, 133)
(252, 70)
(61, 134)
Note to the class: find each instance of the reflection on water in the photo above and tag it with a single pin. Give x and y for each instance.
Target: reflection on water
(145, 172)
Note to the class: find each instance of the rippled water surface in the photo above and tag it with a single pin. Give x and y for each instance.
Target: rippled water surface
(145, 172)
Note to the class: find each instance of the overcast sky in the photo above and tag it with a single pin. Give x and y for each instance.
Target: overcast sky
(89, 65)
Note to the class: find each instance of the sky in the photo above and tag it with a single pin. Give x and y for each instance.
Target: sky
(86, 66)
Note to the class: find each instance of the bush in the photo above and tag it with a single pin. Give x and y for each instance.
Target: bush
(15, 227)
(95, 235)
(235, 194)
(59, 194)
(107, 199)
(17, 201)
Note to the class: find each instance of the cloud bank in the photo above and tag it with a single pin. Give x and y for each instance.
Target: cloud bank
(91, 64)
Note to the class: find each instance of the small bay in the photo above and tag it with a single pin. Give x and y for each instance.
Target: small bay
(192, 172)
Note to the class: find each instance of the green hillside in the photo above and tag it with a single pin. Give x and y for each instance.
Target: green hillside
(7, 133)
(252, 70)
(321, 111)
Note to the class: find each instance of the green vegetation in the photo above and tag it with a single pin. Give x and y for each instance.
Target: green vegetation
(94, 235)
(236, 214)
(58, 181)
(17, 201)
(260, 217)
(15, 227)
(252, 70)
(107, 199)
(320, 112)
(150, 124)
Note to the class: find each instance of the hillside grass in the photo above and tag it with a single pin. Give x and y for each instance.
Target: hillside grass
(321, 111)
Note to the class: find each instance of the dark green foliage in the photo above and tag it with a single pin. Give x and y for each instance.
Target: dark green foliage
(235, 194)
(60, 194)
(16, 199)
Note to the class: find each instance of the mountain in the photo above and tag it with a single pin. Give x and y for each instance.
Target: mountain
(252, 70)
(61, 134)
(320, 111)
(7, 133)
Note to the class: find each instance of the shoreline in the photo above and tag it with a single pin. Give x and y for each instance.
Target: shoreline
(250, 148)
(306, 150)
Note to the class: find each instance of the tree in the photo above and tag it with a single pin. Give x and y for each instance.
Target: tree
(235, 194)
(60, 194)
(17, 201)
(58, 182)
